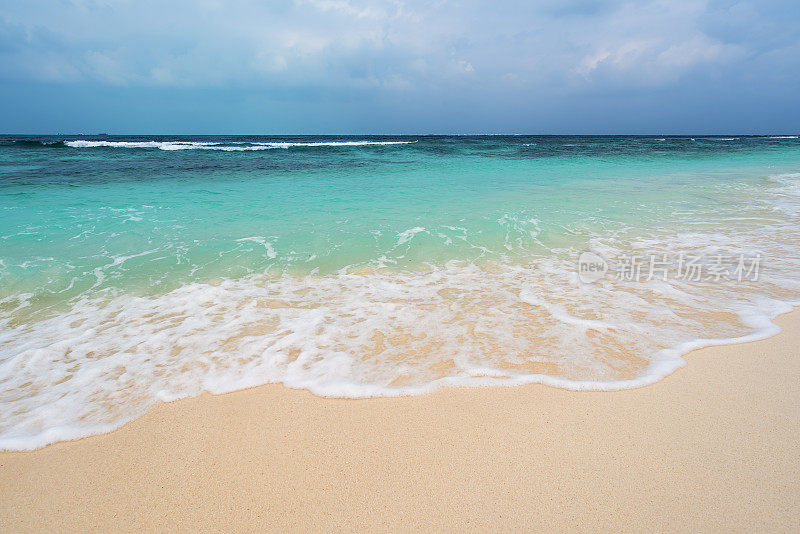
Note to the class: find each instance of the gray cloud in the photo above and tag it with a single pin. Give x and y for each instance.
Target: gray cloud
(467, 51)
(384, 44)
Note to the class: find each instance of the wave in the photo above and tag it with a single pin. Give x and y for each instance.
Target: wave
(107, 356)
(111, 357)
(229, 147)
(782, 137)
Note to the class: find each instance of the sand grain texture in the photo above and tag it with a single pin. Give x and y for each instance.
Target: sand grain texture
(715, 446)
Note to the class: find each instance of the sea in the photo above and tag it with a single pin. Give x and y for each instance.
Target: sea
(136, 270)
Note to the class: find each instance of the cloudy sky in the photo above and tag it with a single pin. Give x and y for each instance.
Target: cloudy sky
(352, 66)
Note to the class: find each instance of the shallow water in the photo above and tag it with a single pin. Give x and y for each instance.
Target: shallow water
(138, 270)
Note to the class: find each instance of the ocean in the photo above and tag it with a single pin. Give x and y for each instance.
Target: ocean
(142, 269)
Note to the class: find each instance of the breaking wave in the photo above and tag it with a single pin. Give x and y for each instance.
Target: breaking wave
(228, 147)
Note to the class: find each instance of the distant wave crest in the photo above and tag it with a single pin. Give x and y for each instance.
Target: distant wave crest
(228, 147)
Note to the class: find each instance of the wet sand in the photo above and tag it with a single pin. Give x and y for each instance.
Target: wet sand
(715, 446)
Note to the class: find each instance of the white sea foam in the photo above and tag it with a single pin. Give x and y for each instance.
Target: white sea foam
(108, 356)
(228, 147)
(408, 235)
(264, 242)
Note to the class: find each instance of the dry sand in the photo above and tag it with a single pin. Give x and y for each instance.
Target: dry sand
(715, 446)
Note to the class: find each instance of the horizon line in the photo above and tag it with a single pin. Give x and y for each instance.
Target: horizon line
(472, 134)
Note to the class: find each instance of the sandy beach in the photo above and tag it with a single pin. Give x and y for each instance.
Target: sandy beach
(380, 266)
(712, 447)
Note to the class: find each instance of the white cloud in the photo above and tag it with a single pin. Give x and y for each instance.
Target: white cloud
(466, 66)
(385, 44)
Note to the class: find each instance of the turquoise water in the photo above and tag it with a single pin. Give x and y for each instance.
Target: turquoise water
(137, 270)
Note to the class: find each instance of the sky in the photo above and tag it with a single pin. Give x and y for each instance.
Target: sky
(393, 67)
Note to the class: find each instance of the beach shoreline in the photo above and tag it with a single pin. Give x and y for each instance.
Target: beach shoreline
(712, 446)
